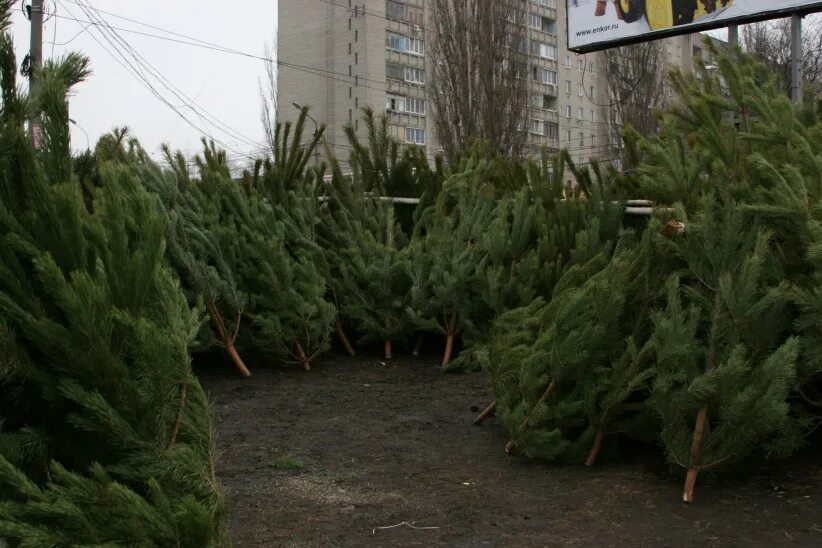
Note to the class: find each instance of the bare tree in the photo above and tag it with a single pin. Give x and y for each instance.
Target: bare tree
(637, 86)
(771, 42)
(268, 94)
(478, 84)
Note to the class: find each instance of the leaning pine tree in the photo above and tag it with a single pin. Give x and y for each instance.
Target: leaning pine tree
(105, 434)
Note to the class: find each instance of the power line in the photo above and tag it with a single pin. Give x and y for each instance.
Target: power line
(122, 49)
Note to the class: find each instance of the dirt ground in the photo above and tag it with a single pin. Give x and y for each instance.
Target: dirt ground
(335, 456)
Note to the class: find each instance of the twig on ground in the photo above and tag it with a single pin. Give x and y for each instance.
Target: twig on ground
(403, 524)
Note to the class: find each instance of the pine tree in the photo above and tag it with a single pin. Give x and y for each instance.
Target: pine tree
(445, 255)
(197, 239)
(106, 434)
(722, 357)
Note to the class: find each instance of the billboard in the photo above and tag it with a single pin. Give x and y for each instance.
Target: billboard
(598, 24)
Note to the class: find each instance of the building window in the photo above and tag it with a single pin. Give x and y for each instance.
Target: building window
(581, 65)
(395, 41)
(567, 86)
(593, 141)
(415, 106)
(395, 10)
(567, 61)
(404, 43)
(349, 48)
(591, 66)
(350, 73)
(581, 140)
(546, 101)
(415, 46)
(546, 51)
(349, 23)
(395, 103)
(580, 90)
(356, 58)
(415, 136)
(395, 71)
(545, 76)
(580, 113)
(414, 75)
(534, 21)
(356, 35)
(568, 112)
(350, 94)
(568, 135)
(551, 129)
(593, 116)
(356, 103)
(592, 93)
(350, 116)
(536, 127)
(356, 80)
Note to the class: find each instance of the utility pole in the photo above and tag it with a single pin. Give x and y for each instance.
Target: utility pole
(796, 58)
(36, 62)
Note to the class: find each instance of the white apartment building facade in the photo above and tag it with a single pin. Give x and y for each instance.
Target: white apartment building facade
(337, 56)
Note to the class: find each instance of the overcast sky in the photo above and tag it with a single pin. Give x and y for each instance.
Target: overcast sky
(223, 85)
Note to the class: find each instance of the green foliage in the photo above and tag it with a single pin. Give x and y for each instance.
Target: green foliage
(105, 434)
(715, 326)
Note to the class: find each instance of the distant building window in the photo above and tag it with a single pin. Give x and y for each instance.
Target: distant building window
(404, 43)
(567, 61)
(568, 113)
(537, 127)
(593, 116)
(395, 10)
(414, 75)
(415, 136)
(580, 90)
(580, 65)
(580, 113)
(546, 51)
(581, 140)
(567, 86)
(395, 71)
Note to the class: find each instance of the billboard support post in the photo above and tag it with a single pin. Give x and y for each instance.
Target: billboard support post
(796, 58)
(733, 35)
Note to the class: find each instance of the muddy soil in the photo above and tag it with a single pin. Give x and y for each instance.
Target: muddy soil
(337, 456)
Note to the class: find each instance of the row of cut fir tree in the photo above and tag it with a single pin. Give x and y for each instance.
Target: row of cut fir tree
(113, 269)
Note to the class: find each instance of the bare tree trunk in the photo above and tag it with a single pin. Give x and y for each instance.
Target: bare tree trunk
(479, 82)
(696, 455)
(597, 447)
(490, 410)
(344, 339)
(228, 341)
(388, 350)
(449, 339)
(302, 356)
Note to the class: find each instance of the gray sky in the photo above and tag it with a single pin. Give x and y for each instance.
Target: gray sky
(223, 85)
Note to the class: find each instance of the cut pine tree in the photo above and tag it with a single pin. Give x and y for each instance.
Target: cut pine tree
(449, 339)
(509, 447)
(228, 342)
(303, 359)
(344, 339)
(597, 447)
(490, 410)
(696, 455)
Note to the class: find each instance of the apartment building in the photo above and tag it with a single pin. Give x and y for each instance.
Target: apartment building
(337, 56)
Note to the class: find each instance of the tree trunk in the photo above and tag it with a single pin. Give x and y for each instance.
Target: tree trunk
(597, 447)
(696, 455)
(417, 347)
(490, 410)
(301, 356)
(238, 361)
(179, 422)
(547, 394)
(228, 344)
(388, 353)
(344, 339)
(449, 339)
